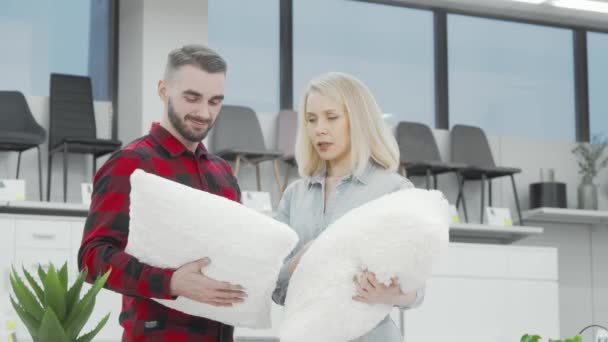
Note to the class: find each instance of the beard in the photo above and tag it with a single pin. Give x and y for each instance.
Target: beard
(182, 128)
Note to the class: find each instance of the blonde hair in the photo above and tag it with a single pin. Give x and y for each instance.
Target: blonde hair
(370, 137)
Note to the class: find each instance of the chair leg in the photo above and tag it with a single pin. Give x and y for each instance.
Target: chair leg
(286, 177)
(483, 191)
(521, 220)
(65, 172)
(18, 164)
(94, 166)
(39, 173)
(277, 175)
(461, 180)
(490, 192)
(237, 165)
(49, 167)
(257, 176)
(435, 181)
(428, 179)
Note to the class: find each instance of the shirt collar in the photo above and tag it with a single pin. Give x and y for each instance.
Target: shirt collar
(363, 178)
(171, 144)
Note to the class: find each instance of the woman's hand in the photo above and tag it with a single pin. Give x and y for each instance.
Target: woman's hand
(293, 263)
(371, 291)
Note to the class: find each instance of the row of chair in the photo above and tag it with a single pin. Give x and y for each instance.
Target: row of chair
(72, 126)
(238, 137)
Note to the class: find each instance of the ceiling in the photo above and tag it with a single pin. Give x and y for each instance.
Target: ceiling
(543, 12)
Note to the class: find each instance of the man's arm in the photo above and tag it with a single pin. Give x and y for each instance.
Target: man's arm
(106, 234)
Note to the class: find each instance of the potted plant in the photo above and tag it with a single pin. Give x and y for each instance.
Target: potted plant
(590, 162)
(49, 310)
(536, 338)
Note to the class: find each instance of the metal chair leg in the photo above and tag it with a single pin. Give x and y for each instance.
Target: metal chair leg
(428, 179)
(94, 166)
(521, 220)
(65, 172)
(435, 181)
(237, 165)
(257, 176)
(277, 175)
(461, 180)
(49, 167)
(483, 190)
(490, 192)
(286, 177)
(18, 163)
(39, 173)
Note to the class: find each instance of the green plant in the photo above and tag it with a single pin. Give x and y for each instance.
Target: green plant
(52, 312)
(536, 338)
(589, 157)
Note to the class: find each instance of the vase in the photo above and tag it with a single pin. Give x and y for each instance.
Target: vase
(587, 196)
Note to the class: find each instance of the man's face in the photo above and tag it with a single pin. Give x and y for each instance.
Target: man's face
(193, 99)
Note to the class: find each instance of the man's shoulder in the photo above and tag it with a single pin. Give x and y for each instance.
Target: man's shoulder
(142, 148)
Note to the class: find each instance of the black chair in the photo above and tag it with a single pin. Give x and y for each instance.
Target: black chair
(237, 137)
(19, 131)
(470, 146)
(72, 124)
(419, 154)
(287, 126)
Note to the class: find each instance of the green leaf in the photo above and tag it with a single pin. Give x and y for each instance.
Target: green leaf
(54, 295)
(63, 276)
(26, 297)
(73, 319)
(530, 338)
(51, 329)
(37, 289)
(90, 335)
(28, 320)
(74, 292)
(577, 338)
(74, 327)
(41, 273)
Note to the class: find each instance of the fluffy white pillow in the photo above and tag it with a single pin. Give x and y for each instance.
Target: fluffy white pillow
(400, 234)
(173, 224)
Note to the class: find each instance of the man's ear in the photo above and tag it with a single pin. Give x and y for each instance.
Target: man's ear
(162, 90)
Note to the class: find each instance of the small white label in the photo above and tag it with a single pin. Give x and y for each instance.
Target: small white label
(86, 190)
(499, 216)
(257, 200)
(12, 190)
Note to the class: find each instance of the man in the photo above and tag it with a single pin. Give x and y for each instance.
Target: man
(192, 92)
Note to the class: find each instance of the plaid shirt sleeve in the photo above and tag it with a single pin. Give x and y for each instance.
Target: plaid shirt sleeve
(106, 233)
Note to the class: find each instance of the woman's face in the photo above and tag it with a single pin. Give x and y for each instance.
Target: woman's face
(328, 127)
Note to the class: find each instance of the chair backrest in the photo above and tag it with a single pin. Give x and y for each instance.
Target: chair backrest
(237, 128)
(470, 146)
(287, 127)
(15, 114)
(416, 142)
(71, 109)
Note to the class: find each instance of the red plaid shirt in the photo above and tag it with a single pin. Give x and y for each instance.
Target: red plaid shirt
(107, 230)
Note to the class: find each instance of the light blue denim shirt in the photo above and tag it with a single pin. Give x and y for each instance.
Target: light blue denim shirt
(302, 209)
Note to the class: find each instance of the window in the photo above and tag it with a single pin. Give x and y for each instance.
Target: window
(389, 48)
(246, 34)
(40, 37)
(511, 78)
(597, 54)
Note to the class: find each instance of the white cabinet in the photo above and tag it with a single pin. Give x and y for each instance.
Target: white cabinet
(7, 252)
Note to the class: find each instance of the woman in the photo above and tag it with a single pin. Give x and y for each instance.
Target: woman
(346, 157)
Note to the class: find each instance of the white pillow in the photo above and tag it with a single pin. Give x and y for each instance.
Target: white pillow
(400, 234)
(173, 224)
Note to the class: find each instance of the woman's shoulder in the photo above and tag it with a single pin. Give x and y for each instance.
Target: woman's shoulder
(389, 179)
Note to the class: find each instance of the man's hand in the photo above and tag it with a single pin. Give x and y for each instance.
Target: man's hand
(293, 263)
(189, 281)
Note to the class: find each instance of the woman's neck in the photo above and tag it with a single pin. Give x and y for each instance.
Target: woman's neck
(338, 168)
